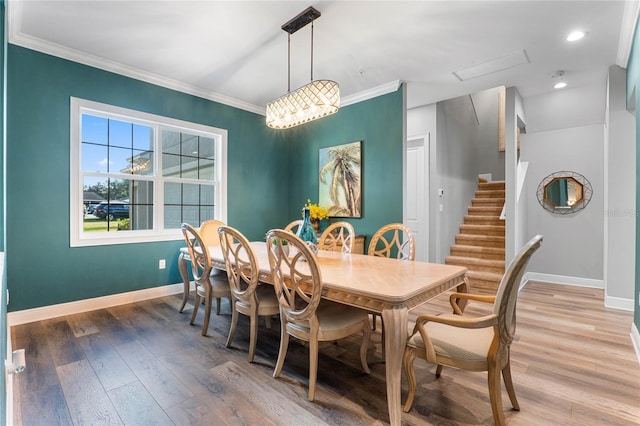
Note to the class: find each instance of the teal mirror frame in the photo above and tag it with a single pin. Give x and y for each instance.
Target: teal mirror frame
(554, 196)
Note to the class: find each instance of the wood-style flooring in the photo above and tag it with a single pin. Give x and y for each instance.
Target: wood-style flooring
(143, 364)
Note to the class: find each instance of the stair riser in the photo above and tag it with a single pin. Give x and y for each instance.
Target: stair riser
(486, 231)
(496, 242)
(490, 194)
(483, 220)
(475, 267)
(481, 286)
(487, 202)
(484, 211)
(491, 186)
(477, 255)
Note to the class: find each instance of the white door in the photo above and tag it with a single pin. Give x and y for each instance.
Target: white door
(416, 213)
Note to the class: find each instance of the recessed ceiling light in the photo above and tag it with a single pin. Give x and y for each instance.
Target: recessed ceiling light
(575, 36)
(560, 85)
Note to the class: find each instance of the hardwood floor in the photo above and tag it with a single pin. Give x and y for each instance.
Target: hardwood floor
(142, 364)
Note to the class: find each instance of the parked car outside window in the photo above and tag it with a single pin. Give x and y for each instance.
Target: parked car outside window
(111, 211)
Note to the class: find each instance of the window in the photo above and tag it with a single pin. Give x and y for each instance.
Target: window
(137, 177)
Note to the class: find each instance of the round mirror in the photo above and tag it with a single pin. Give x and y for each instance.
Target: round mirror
(564, 192)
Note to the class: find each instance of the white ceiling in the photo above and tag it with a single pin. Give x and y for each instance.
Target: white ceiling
(235, 51)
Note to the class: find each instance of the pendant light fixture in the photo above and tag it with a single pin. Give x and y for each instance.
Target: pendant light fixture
(314, 100)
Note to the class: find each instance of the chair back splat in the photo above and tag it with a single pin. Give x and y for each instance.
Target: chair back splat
(393, 240)
(337, 234)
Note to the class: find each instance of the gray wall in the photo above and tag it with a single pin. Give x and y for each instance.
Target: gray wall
(572, 243)
(422, 121)
(457, 168)
(620, 200)
(489, 159)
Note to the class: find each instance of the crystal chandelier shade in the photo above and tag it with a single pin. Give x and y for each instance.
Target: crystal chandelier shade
(314, 100)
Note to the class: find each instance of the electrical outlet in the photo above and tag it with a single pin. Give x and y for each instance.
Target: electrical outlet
(162, 264)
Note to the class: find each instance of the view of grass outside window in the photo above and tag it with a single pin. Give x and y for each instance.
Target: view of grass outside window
(139, 175)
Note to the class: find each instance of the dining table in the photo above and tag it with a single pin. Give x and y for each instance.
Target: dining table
(386, 286)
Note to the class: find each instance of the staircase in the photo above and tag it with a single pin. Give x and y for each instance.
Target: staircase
(480, 244)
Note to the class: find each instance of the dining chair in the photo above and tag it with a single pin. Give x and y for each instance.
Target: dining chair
(209, 234)
(208, 285)
(337, 234)
(249, 297)
(303, 313)
(294, 226)
(473, 343)
(392, 240)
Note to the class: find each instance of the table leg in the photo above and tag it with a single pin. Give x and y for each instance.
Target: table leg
(395, 328)
(182, 267)
(463, 288)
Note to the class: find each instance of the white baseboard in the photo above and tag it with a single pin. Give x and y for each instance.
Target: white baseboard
(70, 308)
(635, 339)
(618, 303)
(609, 301)
(563, 279)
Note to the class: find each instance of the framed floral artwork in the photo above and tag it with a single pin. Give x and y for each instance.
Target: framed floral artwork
(340, 181)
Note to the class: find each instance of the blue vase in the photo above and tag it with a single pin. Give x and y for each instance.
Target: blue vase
(306, 232)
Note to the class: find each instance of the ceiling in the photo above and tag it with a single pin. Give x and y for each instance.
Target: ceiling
(235, 51)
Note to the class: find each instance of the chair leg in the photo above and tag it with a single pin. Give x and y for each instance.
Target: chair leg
(495, 395)
(374, 320)
(253, 332)
(196, 304)
(218, 300)
(234, 325)
(438, 370)
(182, 267)
(407, 364)
(313, 365)
(284, 344)
(207, 314)
(508, 383)
(366, 337)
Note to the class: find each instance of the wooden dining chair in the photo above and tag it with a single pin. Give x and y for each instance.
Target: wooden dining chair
(294, 226)
(337, 234)
(208, 285)
(392, 240)
(303, 313)
(209, 234)
(473, 343)
(249, 297)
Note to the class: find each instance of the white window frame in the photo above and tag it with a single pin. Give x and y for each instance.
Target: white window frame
(78, 238)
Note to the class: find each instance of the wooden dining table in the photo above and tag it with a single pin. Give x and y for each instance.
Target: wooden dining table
(389, 287)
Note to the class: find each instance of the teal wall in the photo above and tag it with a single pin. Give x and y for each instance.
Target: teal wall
(270, 175)
(633, 83)
(378, 123)
(41, 267)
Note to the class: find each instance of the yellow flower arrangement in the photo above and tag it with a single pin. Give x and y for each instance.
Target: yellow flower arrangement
(315, 211)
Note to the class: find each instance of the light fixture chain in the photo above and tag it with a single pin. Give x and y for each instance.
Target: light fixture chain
(311, 51)
(289, 63)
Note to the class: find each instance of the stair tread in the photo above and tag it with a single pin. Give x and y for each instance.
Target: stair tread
(476, 237)
(480, 226)
(478, 249)
(475, 261)
(484, 275)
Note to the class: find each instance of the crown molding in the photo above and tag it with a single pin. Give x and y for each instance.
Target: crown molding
(15, 36)
(627, 28)
(371, 93)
